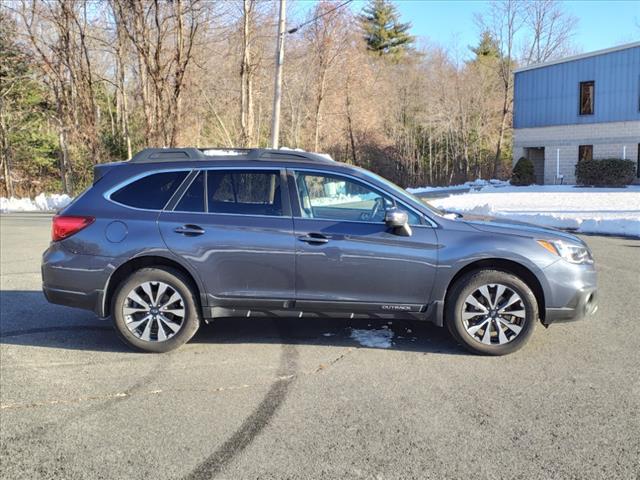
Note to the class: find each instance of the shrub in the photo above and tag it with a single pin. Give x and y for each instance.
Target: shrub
(523, 173)
(610, 172)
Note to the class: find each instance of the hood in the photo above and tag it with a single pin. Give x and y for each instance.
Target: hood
(486, 223)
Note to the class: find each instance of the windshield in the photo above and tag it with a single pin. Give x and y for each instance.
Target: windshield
(402, 192)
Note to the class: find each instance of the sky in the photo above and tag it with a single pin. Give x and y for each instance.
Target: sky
(601, 23)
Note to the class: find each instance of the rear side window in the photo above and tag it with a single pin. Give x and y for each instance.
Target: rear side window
(193, 198)
(151, 192)
(244, 193)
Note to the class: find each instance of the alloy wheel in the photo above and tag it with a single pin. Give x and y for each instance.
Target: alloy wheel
(494, 314)
(154, 311)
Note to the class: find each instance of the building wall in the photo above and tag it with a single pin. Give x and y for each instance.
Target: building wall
(608, 140)
(549, 94)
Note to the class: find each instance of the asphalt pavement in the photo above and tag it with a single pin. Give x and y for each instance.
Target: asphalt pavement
(298, 399)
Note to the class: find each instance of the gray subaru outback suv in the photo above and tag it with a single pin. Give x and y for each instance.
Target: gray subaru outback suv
(175, 237)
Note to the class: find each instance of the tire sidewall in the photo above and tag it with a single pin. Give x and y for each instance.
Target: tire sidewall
(468, 284)
(175, 280)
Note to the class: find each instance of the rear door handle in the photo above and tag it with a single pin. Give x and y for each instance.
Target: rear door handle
(189, 230)
(312, 238)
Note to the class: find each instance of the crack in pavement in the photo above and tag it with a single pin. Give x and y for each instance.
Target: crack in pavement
(323, 367)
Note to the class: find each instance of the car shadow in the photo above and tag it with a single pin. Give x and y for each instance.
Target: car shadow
(28, 319)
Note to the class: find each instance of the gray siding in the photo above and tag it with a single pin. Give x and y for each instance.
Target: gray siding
(549, 95)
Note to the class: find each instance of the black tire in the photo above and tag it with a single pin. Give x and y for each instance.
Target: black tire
(470, 283)
(181, 285)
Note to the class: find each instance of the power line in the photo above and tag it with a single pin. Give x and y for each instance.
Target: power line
(294, 30)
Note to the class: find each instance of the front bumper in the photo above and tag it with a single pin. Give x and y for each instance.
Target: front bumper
(573, 292)
(585, 304)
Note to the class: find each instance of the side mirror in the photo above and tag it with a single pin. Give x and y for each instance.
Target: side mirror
(399, 221)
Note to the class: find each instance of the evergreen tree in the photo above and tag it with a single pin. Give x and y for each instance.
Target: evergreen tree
(27, 148)
(383, 31)
(487, 48)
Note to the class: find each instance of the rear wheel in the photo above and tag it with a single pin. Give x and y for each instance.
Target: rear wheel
(155, 310)
(491, 312)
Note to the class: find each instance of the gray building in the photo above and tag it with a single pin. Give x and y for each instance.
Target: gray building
(582, 107)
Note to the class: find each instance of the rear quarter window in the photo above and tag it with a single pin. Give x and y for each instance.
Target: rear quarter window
(151, 192)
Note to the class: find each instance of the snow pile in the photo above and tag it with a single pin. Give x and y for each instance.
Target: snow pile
(42, 203)
(341, 198)
(474, 185)
(614, 211)
(373, 338)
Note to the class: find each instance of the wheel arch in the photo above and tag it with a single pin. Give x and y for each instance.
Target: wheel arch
(127, 268)
(509, 266)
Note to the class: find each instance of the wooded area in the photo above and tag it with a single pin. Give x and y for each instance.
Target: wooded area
(90, 82)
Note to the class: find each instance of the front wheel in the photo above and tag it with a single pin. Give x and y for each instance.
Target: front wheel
(491, 312)
(155, 310)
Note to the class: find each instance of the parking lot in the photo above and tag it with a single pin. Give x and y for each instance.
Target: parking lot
(262, 398)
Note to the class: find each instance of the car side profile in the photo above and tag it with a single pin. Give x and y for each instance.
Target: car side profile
(175, 237)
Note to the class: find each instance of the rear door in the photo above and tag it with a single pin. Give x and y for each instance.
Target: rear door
(235, 228)
(347, 257)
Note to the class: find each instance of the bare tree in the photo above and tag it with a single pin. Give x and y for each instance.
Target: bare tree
(162, 74)
(504, 20)
(550, 31)
(328, 37)
(246, 73)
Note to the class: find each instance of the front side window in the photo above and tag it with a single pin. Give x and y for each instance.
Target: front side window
(244, 192)
(151, 192)
(587, 94)
(585, 152)
(328, 197)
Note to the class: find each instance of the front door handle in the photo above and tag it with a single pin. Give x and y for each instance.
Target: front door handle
(312, 238)
(189, 230)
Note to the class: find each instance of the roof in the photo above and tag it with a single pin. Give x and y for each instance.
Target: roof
(578, 57)
(159, 155)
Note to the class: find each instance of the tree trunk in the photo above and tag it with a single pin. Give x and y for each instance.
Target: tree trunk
(6, 158)
(319, 99)
(352, 139)
(67, 186)
(245, 82)
(503, 125)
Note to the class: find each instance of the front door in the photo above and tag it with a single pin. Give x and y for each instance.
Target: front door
(536, 155)
(347, 256)
(235, 229)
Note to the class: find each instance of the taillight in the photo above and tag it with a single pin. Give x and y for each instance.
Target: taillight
(66, 225)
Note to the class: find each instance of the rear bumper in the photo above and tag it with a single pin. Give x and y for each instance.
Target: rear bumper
(75, 280)
(85, 300)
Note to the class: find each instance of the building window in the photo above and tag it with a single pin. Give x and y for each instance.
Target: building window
(587, 94)
(585, 152)
(638, 165)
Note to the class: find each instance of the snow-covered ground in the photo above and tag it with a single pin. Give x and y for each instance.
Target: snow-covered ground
(474, 185)
(42, 203)
(614, 211)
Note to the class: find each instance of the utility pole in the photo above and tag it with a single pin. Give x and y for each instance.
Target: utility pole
(277, 92)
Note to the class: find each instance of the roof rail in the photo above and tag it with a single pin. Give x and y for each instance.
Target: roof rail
(155, 155)
(152, 155)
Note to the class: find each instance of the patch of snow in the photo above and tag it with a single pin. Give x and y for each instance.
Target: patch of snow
(474, 185)
(340, 198)
(214, 152)
(373, 338)
(42, 203)
(612, 211)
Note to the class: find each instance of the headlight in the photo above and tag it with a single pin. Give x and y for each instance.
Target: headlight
(571, 252)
